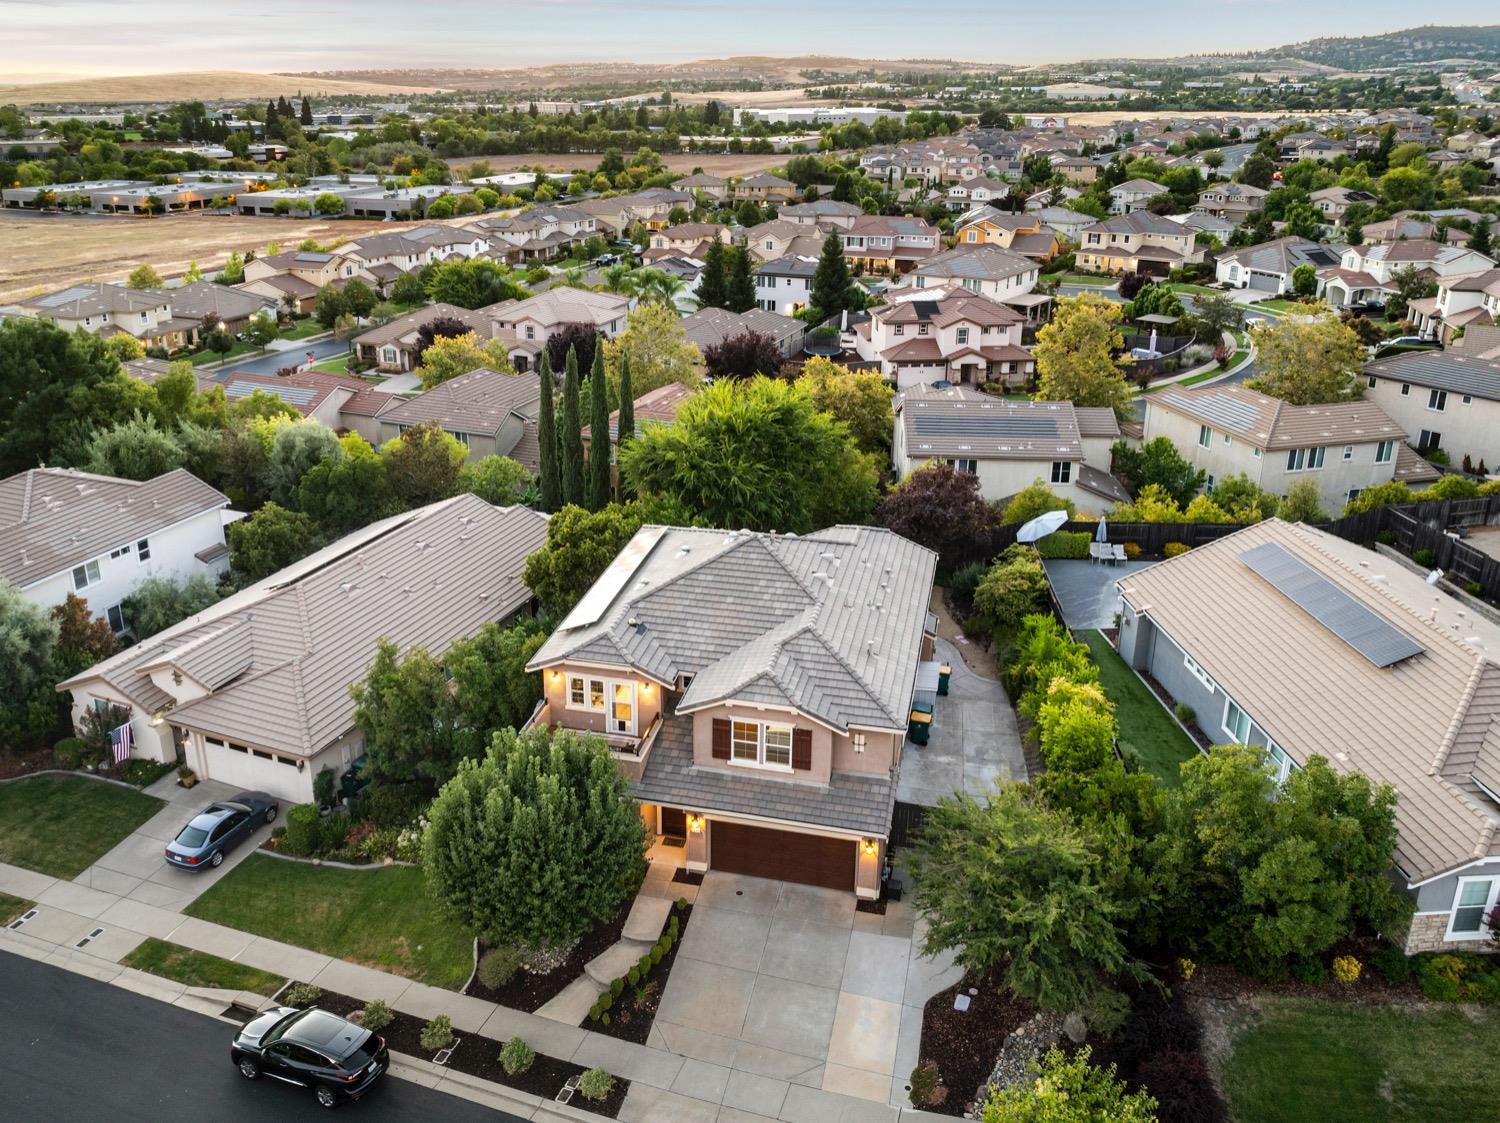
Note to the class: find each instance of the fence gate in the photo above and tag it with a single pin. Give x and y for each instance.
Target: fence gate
(906, 821)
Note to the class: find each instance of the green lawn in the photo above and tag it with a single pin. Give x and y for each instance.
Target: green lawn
(334, 364)
(1309, 1060)
(199, 969)
(11, 907)
(1194, 290)
(213, 358)
(383, 917)
(1144, 724)
(301, 329)
(61, 825)
(1091, 279)
(1275, 306)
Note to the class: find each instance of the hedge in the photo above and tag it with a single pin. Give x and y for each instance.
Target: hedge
(1065, 544)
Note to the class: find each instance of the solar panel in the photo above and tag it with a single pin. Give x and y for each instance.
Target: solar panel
(983, 425)
(1330, 606)
(926, 309)
(292, 395)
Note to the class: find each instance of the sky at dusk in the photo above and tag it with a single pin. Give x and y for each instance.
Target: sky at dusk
(40, 38)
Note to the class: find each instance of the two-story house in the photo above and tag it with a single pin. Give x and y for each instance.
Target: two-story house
(1009, 444)
(538, 233)
(1288, 638)
(1139, 242)
(785, 284)
(756, 690)
(525, 326)
(1446, 399)
(1025, 233)
(947, 334)
(764, 188)
(1333, 202)
(776, 238)
(987, 270)
(882, 244)
(1369, 272)
(1133, 195)
(711, 187)
(1227, 430)
(253, 692)
(823, 213)
(107, 310)
(490, 413)
(98, 537)
(977, 192)
(690, 239)
(393, 346)
(1461, 302)
(1236, 201)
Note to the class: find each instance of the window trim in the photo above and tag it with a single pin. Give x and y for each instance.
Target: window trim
(1385, 452)
(1062, 471)
(1205, 436)
(1481, 932)
(1197, 671)
(90, 571)
(1239, 738)
(760, 728)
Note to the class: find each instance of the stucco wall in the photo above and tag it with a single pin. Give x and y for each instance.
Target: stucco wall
(1472, 428)
(822, 743)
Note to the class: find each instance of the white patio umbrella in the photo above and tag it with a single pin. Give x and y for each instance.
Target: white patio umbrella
(1041, 526)
(1102, 534)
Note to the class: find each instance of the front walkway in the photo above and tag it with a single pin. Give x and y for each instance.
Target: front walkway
(974, 741)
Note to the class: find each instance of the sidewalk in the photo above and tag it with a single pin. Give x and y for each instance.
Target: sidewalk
(90, 930)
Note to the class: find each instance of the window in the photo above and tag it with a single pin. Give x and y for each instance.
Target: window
(1372, 382)
(461, 438)
(1299, 458)
(116, 617)
(1205, 436)
(973, 236)
(744, 743)
(1428, 439)
(1468, 399)
(962, 336)
(900, 329)
(1437, 400)
(1236, 722)
(1282, 764)
(969, 466)
(1353, 494)
(1406, 389)
(575, 692)
(1062, 471)
(1474, 899)
(778, 746)
(85, 575)
(1384, 451)
(622, 711)
(1208, 482)
(1255, 452)
(585, 693)
(767, 745)
(1197, 672)
(143, 550)
(923, 329)
(596, 694)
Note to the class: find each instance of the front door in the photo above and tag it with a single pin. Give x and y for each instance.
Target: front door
(674, 822)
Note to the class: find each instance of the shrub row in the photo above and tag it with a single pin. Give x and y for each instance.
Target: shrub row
(641, 969)
(1065, 544)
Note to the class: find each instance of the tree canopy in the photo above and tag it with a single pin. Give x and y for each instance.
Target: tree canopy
(1075, 354)
(1307, 360)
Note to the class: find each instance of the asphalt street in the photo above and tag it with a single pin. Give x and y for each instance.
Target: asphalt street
(72, 1048)
(273, 361)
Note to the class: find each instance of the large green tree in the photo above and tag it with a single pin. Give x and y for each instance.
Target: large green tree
(295, 449)
(138, 449)
(1075, 354)
(28, 706)
(422, 465)
(1157, 462)
(580, 545)
(537, 842)
(472, 283)
(1010, 885)
(344, 493)
(756, 454)
(1307, 360)
(830, 283)
(713, 282)
(860, 399)
(739, 295)
(599, 445)
(570, 435)
(269, 540)
(157, 603)
(546, 437)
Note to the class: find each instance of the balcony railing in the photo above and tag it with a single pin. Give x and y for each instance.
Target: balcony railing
(630, 751)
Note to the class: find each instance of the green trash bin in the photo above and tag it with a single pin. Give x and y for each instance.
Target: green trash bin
(945, 672)
(919, 727)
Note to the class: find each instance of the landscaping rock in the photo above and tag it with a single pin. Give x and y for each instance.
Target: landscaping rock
(1023, 1046)
(1075, 1028)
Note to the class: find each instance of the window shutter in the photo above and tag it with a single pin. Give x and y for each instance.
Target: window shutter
(721, 739)
(802, 750)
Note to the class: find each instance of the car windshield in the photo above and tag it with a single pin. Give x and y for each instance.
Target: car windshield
(192, 837)
(277, 1031)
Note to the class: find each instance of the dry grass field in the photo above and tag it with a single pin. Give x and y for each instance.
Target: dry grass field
(50, 252)
(190, 85)
(680, 162)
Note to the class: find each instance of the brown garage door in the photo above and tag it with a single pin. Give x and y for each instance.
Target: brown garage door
(783, 855)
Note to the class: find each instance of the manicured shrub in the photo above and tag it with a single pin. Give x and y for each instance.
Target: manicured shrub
(1184, 713)
(303, 830)
(1425, 558)
(496, 967)
(645, 963)
(1386, 537)
(437, 1034)
(68, 753)
(376, 1015)
(323, 787)
(964, 581)
(656, 954)
(301, 994)
(924, 1082)
(392, 805)
(596, 1084)
(616, 987)
(516, 1056)
(333, 832)
(1065, 544)
(1175, 549)
(1133, 551)
(664, 943)
(1391, 964)
(633, 976)
(1311, 971)
(1456, 977)
(1346, 969)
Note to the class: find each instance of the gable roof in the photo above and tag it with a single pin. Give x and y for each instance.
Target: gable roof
(982, 261)
(1273, 424)
(477, 402)
(424, 577)
(1420, 724)
(402, 327)
(92, 298)
(1282, 255)
(52, 519)
(829, 624)
(1442, 370)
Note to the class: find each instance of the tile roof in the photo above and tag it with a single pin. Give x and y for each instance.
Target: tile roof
(93, 298)
(1442, 370)
(851, 801)
(477, 402)
(424, 577)
(655, 407)
(402, 327)
(52, 519)
(1097, 421)
(1282, 255)
(975, 262)
(1271, 423)
(1420, 724)
(562, 305)
(196, 300)
(830, 622)
(709, 326)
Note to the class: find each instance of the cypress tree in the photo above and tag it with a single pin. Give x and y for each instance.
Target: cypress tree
(741, 294)
(570, 440)
(711, 285)
(598, 483)
(306, 111)
(546, 437)
(627, 403)
(830, 287)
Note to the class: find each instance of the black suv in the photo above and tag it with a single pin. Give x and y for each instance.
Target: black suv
(334, 1057)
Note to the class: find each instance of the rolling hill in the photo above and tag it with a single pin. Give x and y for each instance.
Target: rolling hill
(192, 85)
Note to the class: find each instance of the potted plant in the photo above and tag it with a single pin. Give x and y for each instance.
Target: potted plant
(186, 776)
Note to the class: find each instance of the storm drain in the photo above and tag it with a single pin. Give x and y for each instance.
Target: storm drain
(22, 919)
(90, 938)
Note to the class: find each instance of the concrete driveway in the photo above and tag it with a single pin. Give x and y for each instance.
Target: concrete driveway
(974, 741)
(135, 868)
(1086, 590)
(789, 1003)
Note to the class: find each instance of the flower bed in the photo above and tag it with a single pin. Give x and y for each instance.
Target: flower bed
(480, 1056)
(634, 1009)
(529, 992)
(963, 1045)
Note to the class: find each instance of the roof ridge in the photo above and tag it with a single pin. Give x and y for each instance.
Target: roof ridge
(856, 674)
(1460, 714)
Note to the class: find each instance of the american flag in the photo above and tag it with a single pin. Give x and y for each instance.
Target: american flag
(121, 743)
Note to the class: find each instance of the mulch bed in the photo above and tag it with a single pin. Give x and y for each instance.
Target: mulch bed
(1193, 728)
(529, 992)
(631, 1016)
(16, 764)
(687, 877)
(1223, 983)
(964, 1045)
(480, 1056)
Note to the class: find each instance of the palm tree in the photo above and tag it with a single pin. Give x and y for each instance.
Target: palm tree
(620, 278)
(658, 285)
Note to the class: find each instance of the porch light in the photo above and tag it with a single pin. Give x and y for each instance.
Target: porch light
(645, 688)
(156, 719)
(870, 847)
(695, 824)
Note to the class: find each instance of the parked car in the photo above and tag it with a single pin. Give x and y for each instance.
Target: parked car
(218, 828)
(313, 1048)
